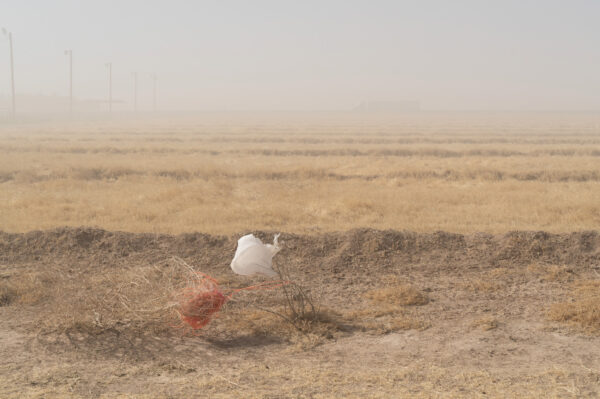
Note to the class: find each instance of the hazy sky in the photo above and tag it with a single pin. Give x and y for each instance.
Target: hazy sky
(311, 55)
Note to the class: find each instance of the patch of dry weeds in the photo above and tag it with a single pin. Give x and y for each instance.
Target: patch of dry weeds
(485, 323)
(582, 311)
(482, 286)
(142, 300)
(138, 299)
(25, 289)
(327, 324)
(399, 294)
(390, 309)
(559, 274)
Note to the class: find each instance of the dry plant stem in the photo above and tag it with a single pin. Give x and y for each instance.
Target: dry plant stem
(299, 303)
(278, 314)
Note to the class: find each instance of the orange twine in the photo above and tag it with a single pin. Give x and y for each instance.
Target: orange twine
(199, 304)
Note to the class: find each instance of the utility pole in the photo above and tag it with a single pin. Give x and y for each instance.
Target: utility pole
(109, 66)
(154, 92)
(12, 72)
(135, 91)
(70, 54)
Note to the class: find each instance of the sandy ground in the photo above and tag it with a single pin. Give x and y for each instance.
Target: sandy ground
(484, 332)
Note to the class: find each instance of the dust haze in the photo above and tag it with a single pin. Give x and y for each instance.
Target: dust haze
(306, 56)
(433, 168)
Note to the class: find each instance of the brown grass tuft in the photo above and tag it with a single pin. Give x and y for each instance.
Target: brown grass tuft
(583, 310)
(485, 323)
(390, 308)
(401, 294)
(482, 286)
(559, 274)
(26, 289)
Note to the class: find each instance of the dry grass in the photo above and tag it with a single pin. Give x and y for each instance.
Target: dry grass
(389, 308)
(559, 274)
(417, 380)
(400, 321)
(293, 312)
(483, 285)
(397, 295)
(582, 311)
(485, 323)
(479, 174)
(247, 321)
(424, 173)
(25, 288)
(138, 300)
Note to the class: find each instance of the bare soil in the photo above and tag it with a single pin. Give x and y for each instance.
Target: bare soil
(480, 326)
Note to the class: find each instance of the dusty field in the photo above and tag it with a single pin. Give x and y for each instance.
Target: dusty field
(305, 174)
(505, 303)
(411, 315)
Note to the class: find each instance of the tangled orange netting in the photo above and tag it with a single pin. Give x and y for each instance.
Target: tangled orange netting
(200, 302)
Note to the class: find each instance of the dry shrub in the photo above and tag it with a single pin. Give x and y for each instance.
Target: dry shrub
(583, 310)
(137, 299)
(297, 313)
(143, 299)
(289, 312)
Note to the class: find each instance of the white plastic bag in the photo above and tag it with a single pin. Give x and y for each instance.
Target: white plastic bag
(253, 257)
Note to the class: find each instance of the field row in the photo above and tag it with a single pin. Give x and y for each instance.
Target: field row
(333, 152)
(113, 174)
(304, 176)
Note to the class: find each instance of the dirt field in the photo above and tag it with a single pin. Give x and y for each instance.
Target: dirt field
(448, 256)
(484, 326)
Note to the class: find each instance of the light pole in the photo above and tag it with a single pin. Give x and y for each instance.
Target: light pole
(153, 76)
(135, 91)
(12, 71)
(109, 66)
(70, 54)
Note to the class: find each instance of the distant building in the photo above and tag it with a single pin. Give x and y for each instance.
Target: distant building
(389, 106)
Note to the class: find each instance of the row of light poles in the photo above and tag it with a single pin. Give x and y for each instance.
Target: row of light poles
(135, 88)
(110, 101)
(69, 53)
(135, 76)
(12, 72)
